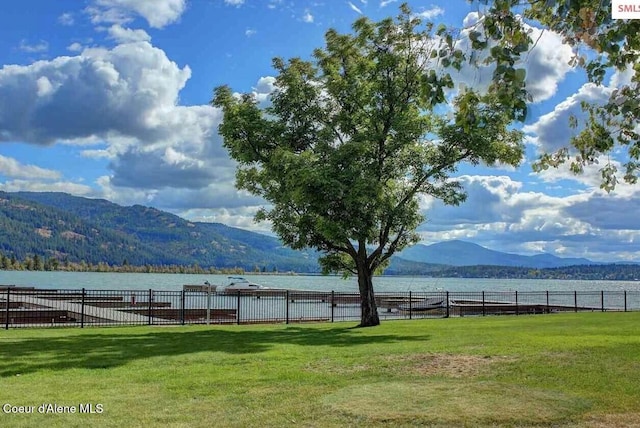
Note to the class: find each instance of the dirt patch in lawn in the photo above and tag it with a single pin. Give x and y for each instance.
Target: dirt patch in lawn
(619, 420)
(454, 402)
(449, 365)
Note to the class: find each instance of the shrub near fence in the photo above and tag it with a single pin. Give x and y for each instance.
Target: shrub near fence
(27, 307)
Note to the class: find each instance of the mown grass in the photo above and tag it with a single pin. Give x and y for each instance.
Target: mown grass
(555, 370)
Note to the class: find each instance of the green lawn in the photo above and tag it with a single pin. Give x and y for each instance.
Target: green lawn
(544, 370)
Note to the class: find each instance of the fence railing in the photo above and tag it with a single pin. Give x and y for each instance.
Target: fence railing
(24, 307)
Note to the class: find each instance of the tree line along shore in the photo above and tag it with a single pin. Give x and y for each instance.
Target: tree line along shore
(612, 272)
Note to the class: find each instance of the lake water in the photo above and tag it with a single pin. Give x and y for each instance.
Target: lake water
(145, 281)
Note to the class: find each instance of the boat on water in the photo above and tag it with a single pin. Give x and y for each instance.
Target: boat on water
(238, 283)
(424, 305)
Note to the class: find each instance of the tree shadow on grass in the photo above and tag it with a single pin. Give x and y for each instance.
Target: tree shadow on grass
(112, 348)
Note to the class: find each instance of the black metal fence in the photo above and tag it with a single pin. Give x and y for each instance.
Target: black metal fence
(25, 307)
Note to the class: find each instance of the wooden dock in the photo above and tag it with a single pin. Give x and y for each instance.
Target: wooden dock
(464, 307)
(87, 312)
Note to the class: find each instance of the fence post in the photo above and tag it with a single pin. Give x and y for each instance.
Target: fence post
(287, 306)
(483, 309)
(625, 300)
(517, 309)
(209, 304)
(602, 299)
(410, 305)
(548, 310)
(182, 298)
(6, 322)
(150, 297)
(575, 300)
(333, 304)
(238, 310)
(82, 309)
(447, 314)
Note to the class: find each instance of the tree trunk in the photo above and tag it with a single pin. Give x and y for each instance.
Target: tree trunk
(369, 310)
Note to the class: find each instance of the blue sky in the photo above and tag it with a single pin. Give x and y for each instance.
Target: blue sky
(109, 99)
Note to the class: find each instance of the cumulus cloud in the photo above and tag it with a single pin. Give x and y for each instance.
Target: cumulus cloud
(98, 93)
(10, 167)
(546, 64)
(123, 35)
(471, 19)
(501, 215)
(158, 13)
(608, 212)
(552, 131)
(190, 156)
(75, 47)
(126, 100)
(487, 198)
(241, 217)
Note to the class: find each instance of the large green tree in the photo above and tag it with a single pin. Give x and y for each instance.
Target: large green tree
(602, 45)
(352, 138)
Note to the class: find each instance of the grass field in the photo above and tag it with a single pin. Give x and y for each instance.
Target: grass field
(577, 370)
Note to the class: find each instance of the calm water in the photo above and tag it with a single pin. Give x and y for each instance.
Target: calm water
(145, 281)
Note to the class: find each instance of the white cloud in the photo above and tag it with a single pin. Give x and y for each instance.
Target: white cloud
(471, 19)
(127, 98)
(552, 131)
(39, 47)
(115, 91)
(123, 35)
(75, 47)
(430, 13)
(40, 186)
(10, 167)
(66, 19)
(236, 3)
(158, 13)
(501, 215)
(385, 3)
(307, 17)
(44, 86)
(546, 65)
(265, 85)
(354, 8)
(241, 217)
(250, 32)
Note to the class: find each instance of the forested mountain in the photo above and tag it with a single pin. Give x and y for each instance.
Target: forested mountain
(74, 228)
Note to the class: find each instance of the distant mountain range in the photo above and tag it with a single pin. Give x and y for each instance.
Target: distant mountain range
(95, 230)
(461, 253)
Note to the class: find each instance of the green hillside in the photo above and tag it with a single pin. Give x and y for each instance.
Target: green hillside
(29, 229)
(73, 228)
